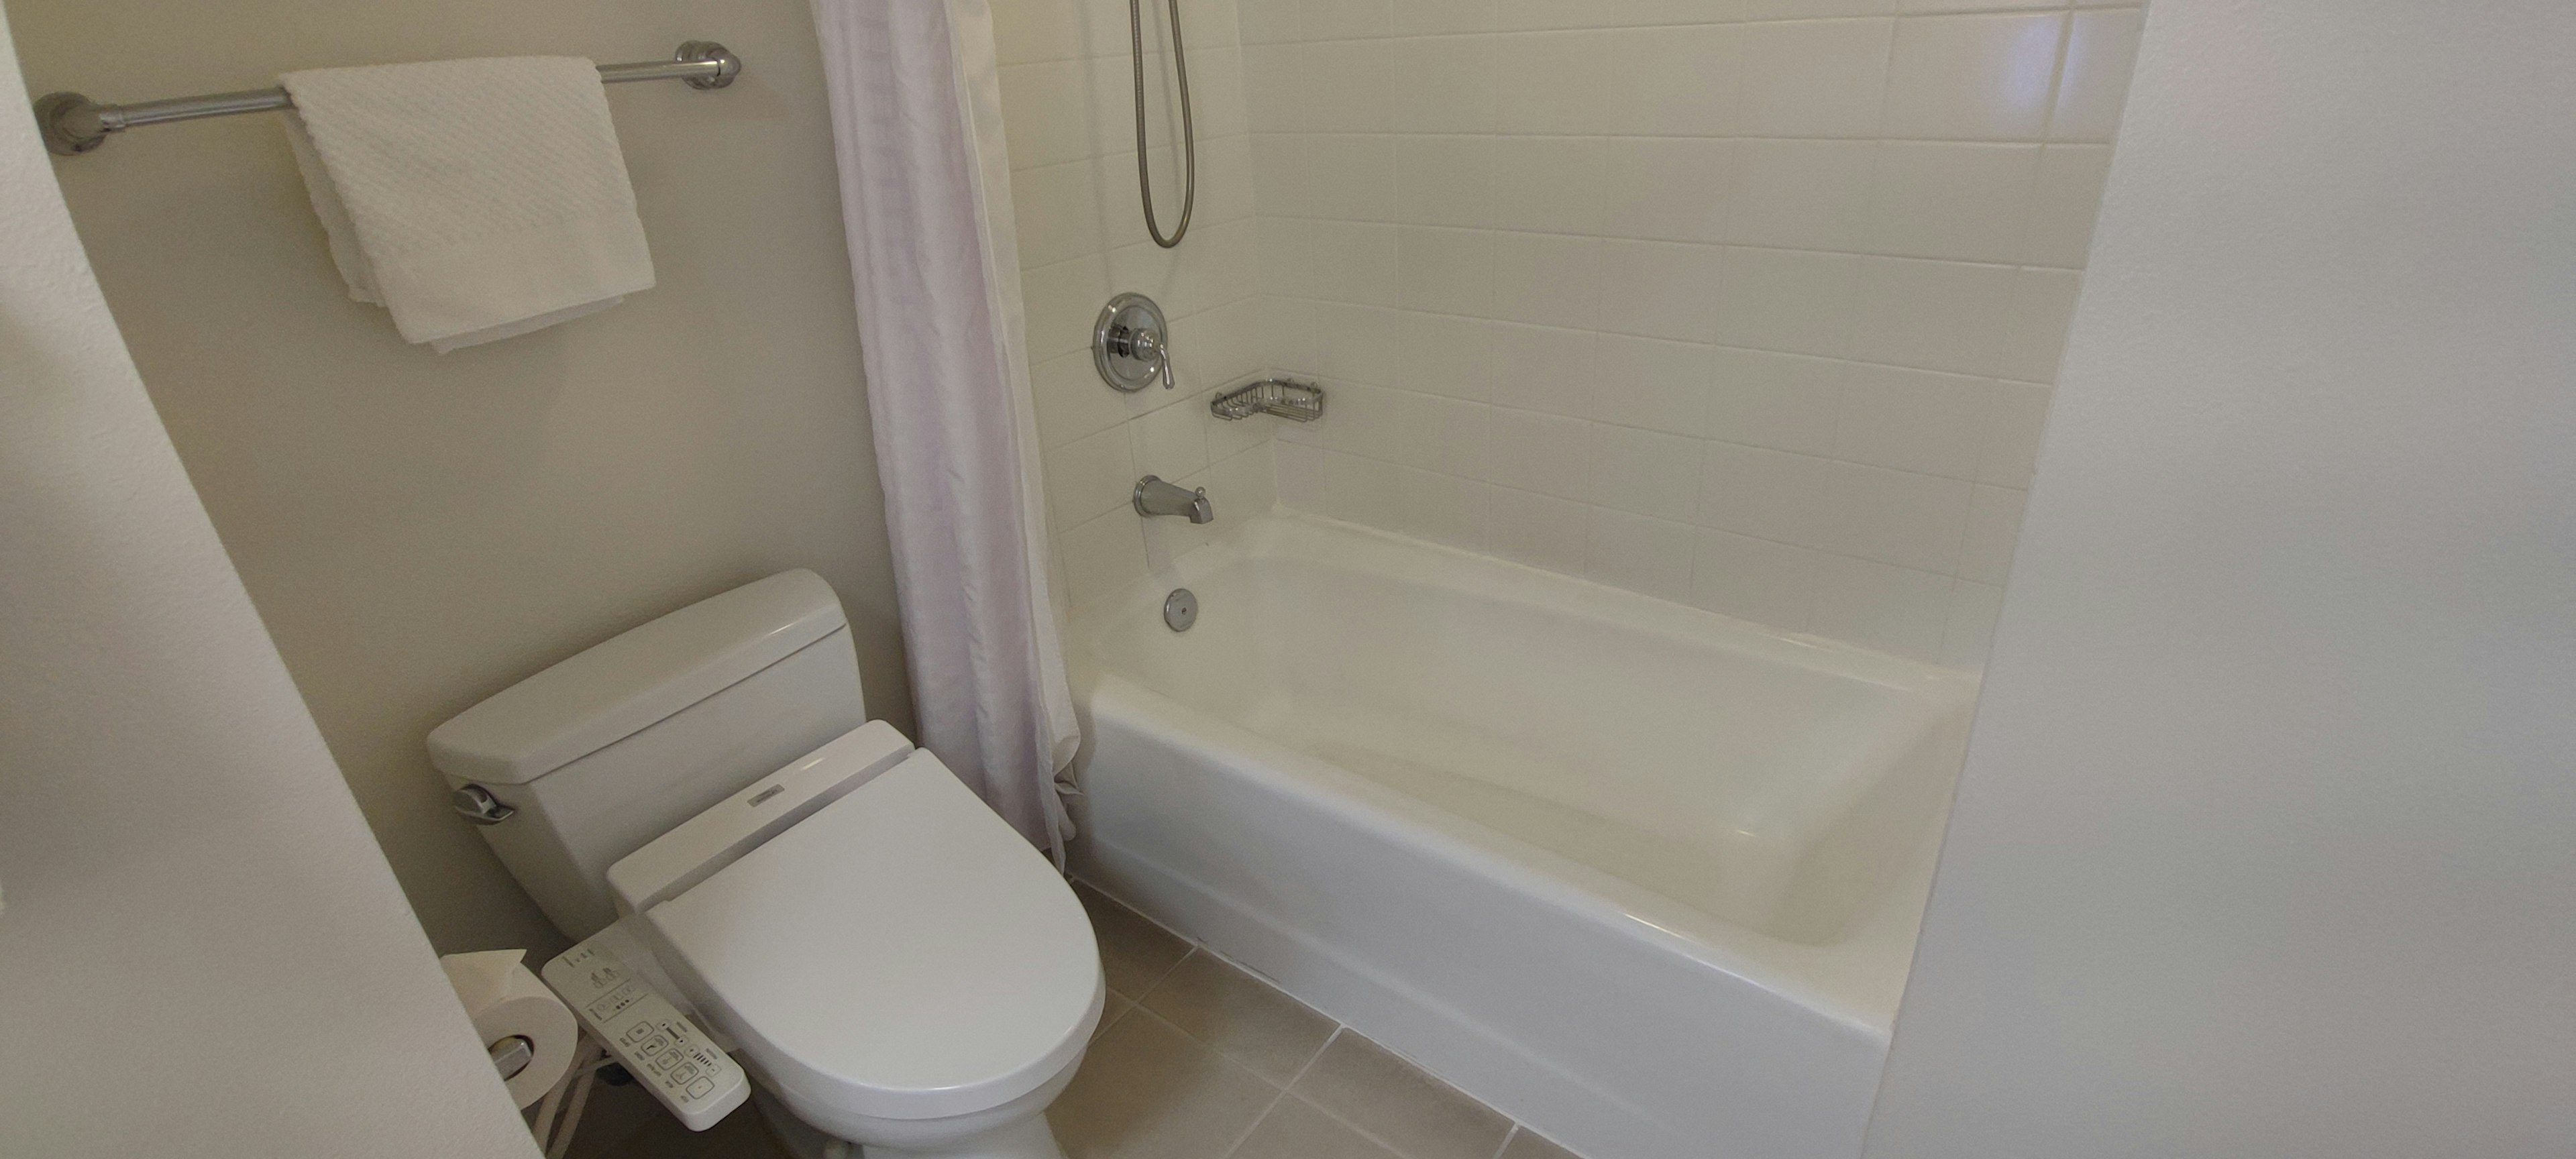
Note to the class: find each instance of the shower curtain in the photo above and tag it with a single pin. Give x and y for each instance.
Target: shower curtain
(925, 201)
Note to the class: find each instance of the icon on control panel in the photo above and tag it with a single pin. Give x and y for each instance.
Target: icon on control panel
(658, 1044)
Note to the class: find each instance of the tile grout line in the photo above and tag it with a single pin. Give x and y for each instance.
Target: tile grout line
(1282, 1096)
(1136, 1005)
(1137, 1000)
(1857, 360)
(1690, 526)
(1512, 1126)
(1239, 44)
(1168, 971)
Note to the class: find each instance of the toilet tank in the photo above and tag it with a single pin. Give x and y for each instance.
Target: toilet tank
(601, 753)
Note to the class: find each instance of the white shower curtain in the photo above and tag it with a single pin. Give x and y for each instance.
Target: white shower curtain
(925, 200)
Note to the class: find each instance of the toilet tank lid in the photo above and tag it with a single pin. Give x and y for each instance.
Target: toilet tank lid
(624, 685)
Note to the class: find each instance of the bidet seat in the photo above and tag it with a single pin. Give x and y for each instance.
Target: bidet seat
(892, 964)
(900, 954)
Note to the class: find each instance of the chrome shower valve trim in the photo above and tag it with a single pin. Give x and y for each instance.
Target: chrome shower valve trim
(1131, 344)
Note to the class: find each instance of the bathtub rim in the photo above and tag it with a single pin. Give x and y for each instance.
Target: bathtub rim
(1855, 981)
(1510, 582)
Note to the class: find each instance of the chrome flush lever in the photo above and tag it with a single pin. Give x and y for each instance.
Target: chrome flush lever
(477, 804)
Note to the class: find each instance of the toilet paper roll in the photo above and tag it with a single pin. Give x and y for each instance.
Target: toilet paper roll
(504, 999)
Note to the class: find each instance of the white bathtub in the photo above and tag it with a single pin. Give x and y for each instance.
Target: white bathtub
(1645, 878)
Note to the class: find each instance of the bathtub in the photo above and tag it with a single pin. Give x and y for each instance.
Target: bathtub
(1645, 878)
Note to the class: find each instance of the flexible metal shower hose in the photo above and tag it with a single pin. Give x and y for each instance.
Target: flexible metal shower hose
(1189, 132)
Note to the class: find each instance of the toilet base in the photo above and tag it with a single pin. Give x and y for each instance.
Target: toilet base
(1022, 1137)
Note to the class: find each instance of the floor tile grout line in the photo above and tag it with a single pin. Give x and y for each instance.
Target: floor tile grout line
(1224, 1061)
(1512, 1126)
(1266, 984)
(1195, 949)
(1168, 971)
(1220, 1049)
(1281, 1097)
(1389, 1147)
(1189, 945)
(1114, 1019)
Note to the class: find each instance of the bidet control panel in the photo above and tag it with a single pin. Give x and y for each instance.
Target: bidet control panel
(654, 1042)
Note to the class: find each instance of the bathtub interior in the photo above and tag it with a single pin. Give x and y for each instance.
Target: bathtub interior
(1773, 783)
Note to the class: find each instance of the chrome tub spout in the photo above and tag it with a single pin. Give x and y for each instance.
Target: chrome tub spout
(1156, 497)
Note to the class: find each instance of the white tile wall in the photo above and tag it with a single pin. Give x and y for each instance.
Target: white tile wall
(1067, 92)
(1751, 304)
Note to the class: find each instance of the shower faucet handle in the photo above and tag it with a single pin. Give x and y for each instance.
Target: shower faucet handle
(1150, 345)
(1131, 344)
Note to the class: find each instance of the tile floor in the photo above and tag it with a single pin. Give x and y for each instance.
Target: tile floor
(1197, 1059)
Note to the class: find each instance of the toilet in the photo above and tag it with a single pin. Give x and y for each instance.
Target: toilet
(898, 971)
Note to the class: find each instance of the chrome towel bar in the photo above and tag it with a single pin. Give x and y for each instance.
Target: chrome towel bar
(74, 124)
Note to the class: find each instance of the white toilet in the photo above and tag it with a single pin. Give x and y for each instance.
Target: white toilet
(894, 966)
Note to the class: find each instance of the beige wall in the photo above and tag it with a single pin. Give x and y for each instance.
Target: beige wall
(187, 877)
(420, 530)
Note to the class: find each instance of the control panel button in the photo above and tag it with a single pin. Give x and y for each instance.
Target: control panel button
(616, 1002)
(682, 1069)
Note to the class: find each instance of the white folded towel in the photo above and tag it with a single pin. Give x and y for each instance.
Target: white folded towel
(473, 199)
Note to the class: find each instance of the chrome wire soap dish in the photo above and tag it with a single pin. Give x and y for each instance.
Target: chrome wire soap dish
(1301, 401)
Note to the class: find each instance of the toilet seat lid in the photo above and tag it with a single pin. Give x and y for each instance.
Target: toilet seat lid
(902, 953)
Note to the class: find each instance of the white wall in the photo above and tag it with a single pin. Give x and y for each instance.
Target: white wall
(2267, 839)
(203, 953)
(1068, 93)
(1750, 305)
(421, 530)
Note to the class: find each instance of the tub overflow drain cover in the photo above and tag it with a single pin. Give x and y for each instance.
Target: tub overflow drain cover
(1180, 609)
